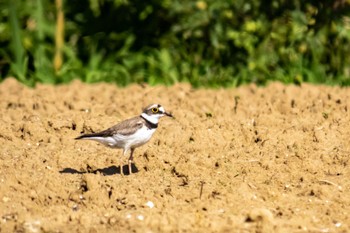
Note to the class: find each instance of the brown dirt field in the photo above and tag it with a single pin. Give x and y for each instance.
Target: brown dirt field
(250, 159)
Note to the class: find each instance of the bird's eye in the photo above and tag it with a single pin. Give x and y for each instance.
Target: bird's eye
(155, 110)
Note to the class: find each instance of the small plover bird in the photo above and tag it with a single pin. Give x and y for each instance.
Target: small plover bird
(131, 133)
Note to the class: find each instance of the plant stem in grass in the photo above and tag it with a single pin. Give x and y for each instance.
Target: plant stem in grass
(19, 64)
(59, 36)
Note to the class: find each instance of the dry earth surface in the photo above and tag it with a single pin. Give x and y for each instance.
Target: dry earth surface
(250, 159)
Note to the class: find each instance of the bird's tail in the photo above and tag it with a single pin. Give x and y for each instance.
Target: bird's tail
(81, 137)
(86, 136)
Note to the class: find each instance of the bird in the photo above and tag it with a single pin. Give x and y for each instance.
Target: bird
(131, 133)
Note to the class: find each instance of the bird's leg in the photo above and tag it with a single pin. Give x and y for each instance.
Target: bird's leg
(131, 159)
(121, 162)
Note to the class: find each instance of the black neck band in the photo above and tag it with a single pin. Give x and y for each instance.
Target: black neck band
(149, 124)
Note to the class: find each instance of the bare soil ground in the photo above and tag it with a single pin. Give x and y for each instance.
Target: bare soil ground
(251, 159)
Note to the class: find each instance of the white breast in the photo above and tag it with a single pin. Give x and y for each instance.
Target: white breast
(137, 139)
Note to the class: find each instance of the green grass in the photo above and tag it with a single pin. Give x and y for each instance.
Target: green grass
(205, 43)
(20, 60)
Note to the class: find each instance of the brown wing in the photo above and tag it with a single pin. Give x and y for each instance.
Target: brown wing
(125, 128)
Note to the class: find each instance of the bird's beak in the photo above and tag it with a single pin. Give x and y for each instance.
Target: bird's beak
(168, 114)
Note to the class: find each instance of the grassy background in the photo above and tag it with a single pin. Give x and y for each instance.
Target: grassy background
(207, 42)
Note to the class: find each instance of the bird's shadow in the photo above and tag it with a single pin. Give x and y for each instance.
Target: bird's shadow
(107, 171)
